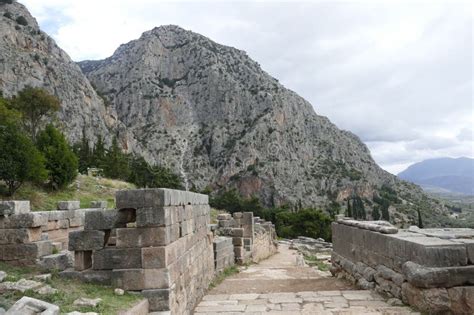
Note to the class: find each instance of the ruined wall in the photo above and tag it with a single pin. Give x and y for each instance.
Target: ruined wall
(432, 270)
(223, 253)
(156, 242)
(29, 238)
(253, 238)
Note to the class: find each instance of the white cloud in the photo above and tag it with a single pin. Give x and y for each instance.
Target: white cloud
(396, 73)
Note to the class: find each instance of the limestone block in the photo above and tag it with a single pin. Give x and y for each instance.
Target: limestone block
(108, 219)
(237, 215)
(159, 299)
(103, 277)
(140, 308)
(23, 220)
(14, 236)
(100, 204)
(237, 232)
(157, 216)
(76, 221)
(145, 237)
(82, 260)
(470, 248)
(28, 252)
(141, 279)
(58, 261)
(239, 251)
(11, 207)
(158, 257)
(226, 223)
(116, 258)
(238, 241)
(157, 197)
(462, 300)
(27, 305)
(426, 277)
(86, 240)
(69, 205)
(432, 301)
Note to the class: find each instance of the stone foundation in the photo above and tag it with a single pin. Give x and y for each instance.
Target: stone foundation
(156, 242)
(432, 270)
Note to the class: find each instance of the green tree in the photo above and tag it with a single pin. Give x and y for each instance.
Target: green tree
(61, 162)
(420, 221)
(98, 154)
(229, 200)
(385, 213)
(116, 162)
(20, 161)
(84, 153)
(36, 106)
(349, 209)
(376, 213)
(143, 174)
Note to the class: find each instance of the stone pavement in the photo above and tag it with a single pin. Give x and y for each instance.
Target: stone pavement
(280, 285)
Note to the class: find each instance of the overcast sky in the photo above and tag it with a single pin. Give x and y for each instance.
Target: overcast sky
(396, 73)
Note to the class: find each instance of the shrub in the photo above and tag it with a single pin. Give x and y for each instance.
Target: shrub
(61, 162)
(307, 222)
(21, 20)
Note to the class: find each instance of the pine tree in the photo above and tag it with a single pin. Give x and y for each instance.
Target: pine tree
(84, 153)
(420, 222)
(98, 154)
(61, 162)
(376, 213)
(349, 209)
(385, 213)
(116, 162)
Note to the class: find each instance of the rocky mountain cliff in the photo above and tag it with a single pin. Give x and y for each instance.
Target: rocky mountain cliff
(205, 110)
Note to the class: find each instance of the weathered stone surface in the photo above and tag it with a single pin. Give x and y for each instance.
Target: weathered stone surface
(117, 258)
(82, 260)
(145, 237)
(21, 285)
(426, 277)
(11, 207)
(434, 300)
(462, 300)
(157, 197)
(89, 276)
(58, 261)
(23, 220)
(26, 252)
(86, 240)
(46, 290)
(224, 216)
(159, 299)
(141, 279)
(86, 302)
(108, 219)
(140, 308)
(69, 205)
(27, 305)
(14, 236)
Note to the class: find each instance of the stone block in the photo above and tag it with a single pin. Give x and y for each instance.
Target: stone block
(447, 277)
(157, 216)
(86, 240)
(82, 260)
(69, 205)
(108, 219)
(116, 258)
(103, 277)
(140, 308)
(146, 237)
(157, 197)
(462, 300)
(28, 305)
(237, 215)
(76, 221)
(238, 241)
(54, 262)
(11, 207)
(224, 216)
(23, 220)
(19, 236)
(221, 242)
(159, 299)
(431, 301)
(99, 204)
(141, 279)
(238, 251)
(28, 252)
(469, 247)
(159, 257)
(237, 232)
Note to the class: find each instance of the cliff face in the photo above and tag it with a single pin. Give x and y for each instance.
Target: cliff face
(205, 110)
(211, 113)
(28, 56)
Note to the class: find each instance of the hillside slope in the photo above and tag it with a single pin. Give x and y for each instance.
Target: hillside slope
(455, 175)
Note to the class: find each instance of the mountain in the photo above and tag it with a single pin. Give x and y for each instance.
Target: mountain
(208, 112)
(455, 175)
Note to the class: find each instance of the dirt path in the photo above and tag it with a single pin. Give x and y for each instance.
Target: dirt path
(281, 285)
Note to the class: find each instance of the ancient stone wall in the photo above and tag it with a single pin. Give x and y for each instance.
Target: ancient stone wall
(156, 242)
(430, 269)
(29, 238)
(223, 253)
(253, 238)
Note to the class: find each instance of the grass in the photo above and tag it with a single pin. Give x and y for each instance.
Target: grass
(229, 271)
(313, 261)
(85, 189)
(68, 291)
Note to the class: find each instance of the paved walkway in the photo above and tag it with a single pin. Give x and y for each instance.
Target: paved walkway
(280, 285)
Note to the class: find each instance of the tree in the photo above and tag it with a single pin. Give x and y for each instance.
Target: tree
(385, 213)
(84, 153)
(98, 154)
(61, 162)
(376, 213)
(420, 221)
(116, 162)
(35, 105)
(349, 209)
(143, 174)
(20, 161)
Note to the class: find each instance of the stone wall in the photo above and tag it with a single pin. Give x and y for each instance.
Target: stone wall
(29, 238)
(156, 242)
(430, 269)
(223, 253)
(253, 238)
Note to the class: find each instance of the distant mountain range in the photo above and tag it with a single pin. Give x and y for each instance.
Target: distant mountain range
(439, 175)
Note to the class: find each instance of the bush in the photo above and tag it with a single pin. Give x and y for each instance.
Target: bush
(61, 162)
(21, 20)
(306, 222)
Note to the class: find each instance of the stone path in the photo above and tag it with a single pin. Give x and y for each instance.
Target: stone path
(280, 285)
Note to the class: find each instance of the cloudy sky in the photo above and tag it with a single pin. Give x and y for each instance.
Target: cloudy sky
(396, 73)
